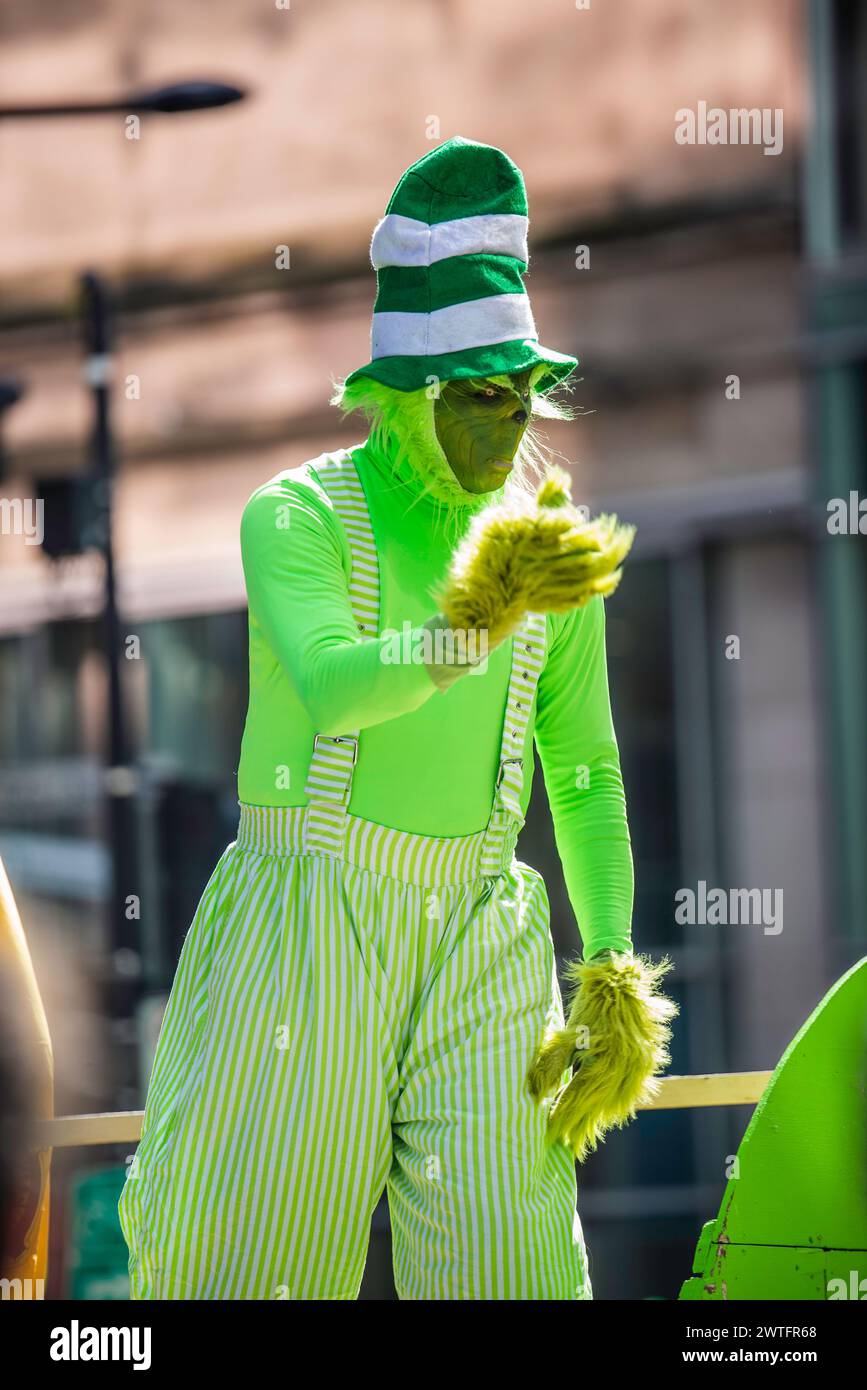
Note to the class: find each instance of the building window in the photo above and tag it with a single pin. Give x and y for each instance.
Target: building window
(850, 43)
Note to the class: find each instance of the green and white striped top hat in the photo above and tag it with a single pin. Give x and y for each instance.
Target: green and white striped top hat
(450, 256)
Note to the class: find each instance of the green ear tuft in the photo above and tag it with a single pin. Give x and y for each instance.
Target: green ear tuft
(555, 489)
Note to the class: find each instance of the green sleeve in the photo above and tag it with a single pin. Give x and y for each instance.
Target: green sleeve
(578, 751)
(296, 568)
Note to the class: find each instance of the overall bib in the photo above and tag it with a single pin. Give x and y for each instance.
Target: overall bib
(356, 1008)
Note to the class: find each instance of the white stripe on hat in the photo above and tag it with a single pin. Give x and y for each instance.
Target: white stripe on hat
(399, 240)
(476, 323)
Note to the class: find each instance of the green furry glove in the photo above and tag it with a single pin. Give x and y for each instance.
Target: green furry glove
(616, 1036)
(533, 556)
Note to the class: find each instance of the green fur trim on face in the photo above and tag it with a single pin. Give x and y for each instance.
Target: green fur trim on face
(402, 427)
(616, 1037)
(402, 424)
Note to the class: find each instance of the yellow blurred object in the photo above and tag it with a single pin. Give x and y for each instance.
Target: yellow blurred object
(29, 1227)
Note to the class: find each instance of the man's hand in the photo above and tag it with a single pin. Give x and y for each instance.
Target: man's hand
(616, 1037)
(539, 556)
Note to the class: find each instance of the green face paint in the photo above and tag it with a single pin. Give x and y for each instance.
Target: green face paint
(480, 424)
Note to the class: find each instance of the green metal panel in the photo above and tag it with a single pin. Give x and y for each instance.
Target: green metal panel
(759, 1272)
(795, 1217)
(97, 1261)
(822, 201)
(838, 394)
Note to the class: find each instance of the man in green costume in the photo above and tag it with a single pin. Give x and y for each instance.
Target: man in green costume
(367, 997)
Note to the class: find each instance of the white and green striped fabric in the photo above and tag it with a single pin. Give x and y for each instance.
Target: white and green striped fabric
(356, 1008)
(329, 776)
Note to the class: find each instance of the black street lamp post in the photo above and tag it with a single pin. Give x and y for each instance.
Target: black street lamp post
(120, 777)
(124, 932)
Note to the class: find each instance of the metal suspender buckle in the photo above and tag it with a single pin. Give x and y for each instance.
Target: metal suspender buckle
(338, 738)
(501, 774)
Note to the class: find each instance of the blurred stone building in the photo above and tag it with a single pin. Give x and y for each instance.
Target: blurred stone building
(716, 295)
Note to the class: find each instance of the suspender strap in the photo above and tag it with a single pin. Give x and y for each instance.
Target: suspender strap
(528, 658)
(329, 778)
(340, 479)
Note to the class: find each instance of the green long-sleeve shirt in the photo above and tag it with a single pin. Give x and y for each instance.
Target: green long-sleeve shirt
(428, 759)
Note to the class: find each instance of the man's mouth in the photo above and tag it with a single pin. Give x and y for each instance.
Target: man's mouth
(501, 465)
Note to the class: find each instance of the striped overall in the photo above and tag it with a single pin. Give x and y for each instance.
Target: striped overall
(356, 1008)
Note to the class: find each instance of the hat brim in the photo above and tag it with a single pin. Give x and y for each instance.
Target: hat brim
(498, 359)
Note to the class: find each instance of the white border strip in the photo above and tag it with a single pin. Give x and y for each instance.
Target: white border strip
(476, 323)
(401, 240)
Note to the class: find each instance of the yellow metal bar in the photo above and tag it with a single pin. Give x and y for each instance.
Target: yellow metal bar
(720, 1088)
(676, 1093)
(70, 1131)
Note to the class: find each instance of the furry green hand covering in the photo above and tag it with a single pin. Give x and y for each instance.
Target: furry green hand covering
(534, 555)
(617, 1033)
